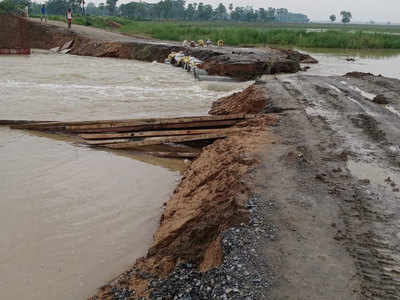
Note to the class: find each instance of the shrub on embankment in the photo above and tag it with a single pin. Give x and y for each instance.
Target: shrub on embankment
(11, 7)
(243, 34)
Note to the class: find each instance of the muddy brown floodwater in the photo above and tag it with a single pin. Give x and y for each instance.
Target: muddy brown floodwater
(72, 218)
(334, 62)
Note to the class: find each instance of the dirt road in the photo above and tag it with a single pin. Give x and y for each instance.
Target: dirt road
(333, 181)
(88, 32)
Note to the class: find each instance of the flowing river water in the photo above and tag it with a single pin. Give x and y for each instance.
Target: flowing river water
(71, 217)
(334, 62)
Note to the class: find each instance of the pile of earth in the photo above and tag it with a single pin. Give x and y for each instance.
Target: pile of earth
(211, 198)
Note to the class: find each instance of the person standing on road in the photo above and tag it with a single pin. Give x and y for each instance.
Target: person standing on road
(69, 17)
(43, 13)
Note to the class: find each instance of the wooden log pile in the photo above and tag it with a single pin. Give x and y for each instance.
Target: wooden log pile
(143, 134)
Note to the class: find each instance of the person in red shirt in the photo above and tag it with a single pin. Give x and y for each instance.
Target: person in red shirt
(69, 17)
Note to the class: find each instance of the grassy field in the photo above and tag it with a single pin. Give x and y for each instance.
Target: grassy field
(313, 35)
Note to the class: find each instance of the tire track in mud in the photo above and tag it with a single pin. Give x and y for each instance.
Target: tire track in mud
(368, 134)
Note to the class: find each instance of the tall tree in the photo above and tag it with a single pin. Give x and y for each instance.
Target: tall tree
(262, 15)
(92, 9)
(57, 7)
(332, 18)
(74, 5)
(346, 16)
(102, 8)
(178, 9)
(281, 13)
(111, 5)
(271, 14)
(221, 12)
(190, 12)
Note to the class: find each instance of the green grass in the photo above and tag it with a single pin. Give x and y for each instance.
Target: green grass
(333, 36)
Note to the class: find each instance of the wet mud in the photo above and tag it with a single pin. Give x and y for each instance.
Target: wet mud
(342, 151)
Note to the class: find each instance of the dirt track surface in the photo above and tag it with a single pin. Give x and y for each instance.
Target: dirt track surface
(89, 32)
(333, 181)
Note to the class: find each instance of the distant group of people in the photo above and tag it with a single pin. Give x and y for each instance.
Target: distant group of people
(201, 43)
(68, 15)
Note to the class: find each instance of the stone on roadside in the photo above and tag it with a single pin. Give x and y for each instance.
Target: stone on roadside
(380, 99)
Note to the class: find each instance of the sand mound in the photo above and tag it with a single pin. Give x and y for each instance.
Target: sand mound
(251, 101)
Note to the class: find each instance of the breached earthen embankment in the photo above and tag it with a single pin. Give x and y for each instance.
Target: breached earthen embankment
(212, 197)
(14, 37)
(243, 63)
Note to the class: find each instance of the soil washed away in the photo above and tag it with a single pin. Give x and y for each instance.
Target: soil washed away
(73, 218)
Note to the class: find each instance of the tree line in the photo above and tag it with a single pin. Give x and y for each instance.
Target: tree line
(346, 17)
(172, 10)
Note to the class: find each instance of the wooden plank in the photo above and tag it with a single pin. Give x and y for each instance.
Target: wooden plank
(101, 136)
(49, 125)
(185, 132)
(162, 121)
(41, 126)
(18, 122)
(163, 140)
(67, 45)
(55, 125)
(174, 154)
(203, 124)
(102, 142)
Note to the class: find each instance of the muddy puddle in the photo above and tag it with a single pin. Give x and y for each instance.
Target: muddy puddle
(373, 172)
(71, 217)
(334, 62)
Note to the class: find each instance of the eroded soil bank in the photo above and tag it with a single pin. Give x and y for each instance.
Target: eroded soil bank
(243, 63)
(305, 206)
(211, 198)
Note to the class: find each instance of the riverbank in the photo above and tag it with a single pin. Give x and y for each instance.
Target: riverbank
(241, 63)
(211, 198)
(311, 217)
